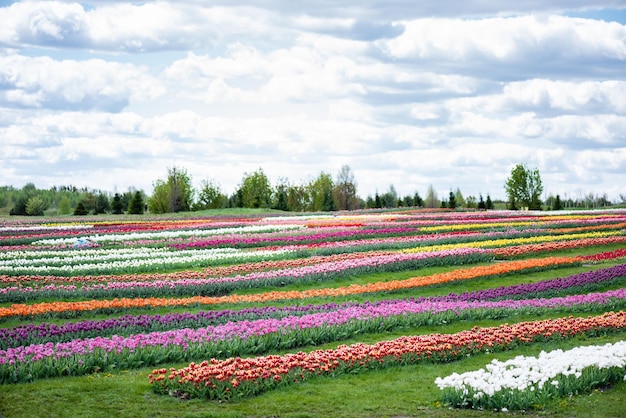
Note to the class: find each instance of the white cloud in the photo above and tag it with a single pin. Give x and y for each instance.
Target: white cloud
(111, 94)
(95, 83)
(568, 96)
(508, 40)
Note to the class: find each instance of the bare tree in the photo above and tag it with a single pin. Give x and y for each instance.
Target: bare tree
(344, 191)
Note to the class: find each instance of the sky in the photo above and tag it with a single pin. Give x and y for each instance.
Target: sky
(110, 95)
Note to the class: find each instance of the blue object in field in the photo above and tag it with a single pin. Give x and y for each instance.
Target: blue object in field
(84, 243)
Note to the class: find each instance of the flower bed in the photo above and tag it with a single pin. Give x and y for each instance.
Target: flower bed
(581, 283)
(528, 382)
(221, 286)
(393, 285)
(243, 377)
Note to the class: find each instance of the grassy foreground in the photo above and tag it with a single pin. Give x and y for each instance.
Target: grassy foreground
(399, 391)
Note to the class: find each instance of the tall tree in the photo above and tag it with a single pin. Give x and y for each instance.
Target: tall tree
(557, 203)
(297, 198)
(117, 208)
(80, 209)
(256, 191)
(488, 203)
(103, 204)
(136, 206)
(417, 200)
(390, 198)
(280, 195)
(481, 202)
(523, 188)
(64, 206)
(452, 200)
(431, 201)
(174, 194)
(344, 191)
(35, 206)
(210, 196)
(318, 191)
(20, 201)
(458, 197)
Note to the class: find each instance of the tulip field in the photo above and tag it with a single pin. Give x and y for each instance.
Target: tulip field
(410, 312)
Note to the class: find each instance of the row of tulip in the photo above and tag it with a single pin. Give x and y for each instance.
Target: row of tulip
(586, 282)
(326, 236)
(243, 337)
(524, 383)
(238, 377)
(505, 242)
(121, 230)
(594, 227)
(401, 242)
(28, 233)
(244, 268)
(395, 238)
(168, 230)
(168, 234)
(74, 262)
(17, 282)
(544, 222)
(98, 260)
(211, 271)
(525, 249)
(605, 255)
(224, 285)
(50, 308)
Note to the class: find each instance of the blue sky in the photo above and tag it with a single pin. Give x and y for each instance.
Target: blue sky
(453, 94)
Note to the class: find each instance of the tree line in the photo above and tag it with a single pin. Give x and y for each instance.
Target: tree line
(324, 193)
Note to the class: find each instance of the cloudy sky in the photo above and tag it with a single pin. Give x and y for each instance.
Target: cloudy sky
(110, 94)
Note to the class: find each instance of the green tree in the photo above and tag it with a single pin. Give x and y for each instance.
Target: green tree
(280, 195)
(81, 210)
(318, 191)
(378, 203)
(89, 201)
(64, 206)
(345, 189)
(452, 200)
(136, 206)
(297, 198)
(417, 200)
(210, 196)
(523, 188)
(4, 196)
(556, 205)
(481, 203)
(256, 191)
(236, 199)
(390, 198)
(103, 204)
(488, 203)
(458, 197)
(406, 201)
(126, 197)
(21, 199)
(431, 201)
(172, 195)
(35, 206)
(329, 205)
(117, 207)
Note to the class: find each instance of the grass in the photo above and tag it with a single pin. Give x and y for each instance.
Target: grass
(395, 392)
(398, 391)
